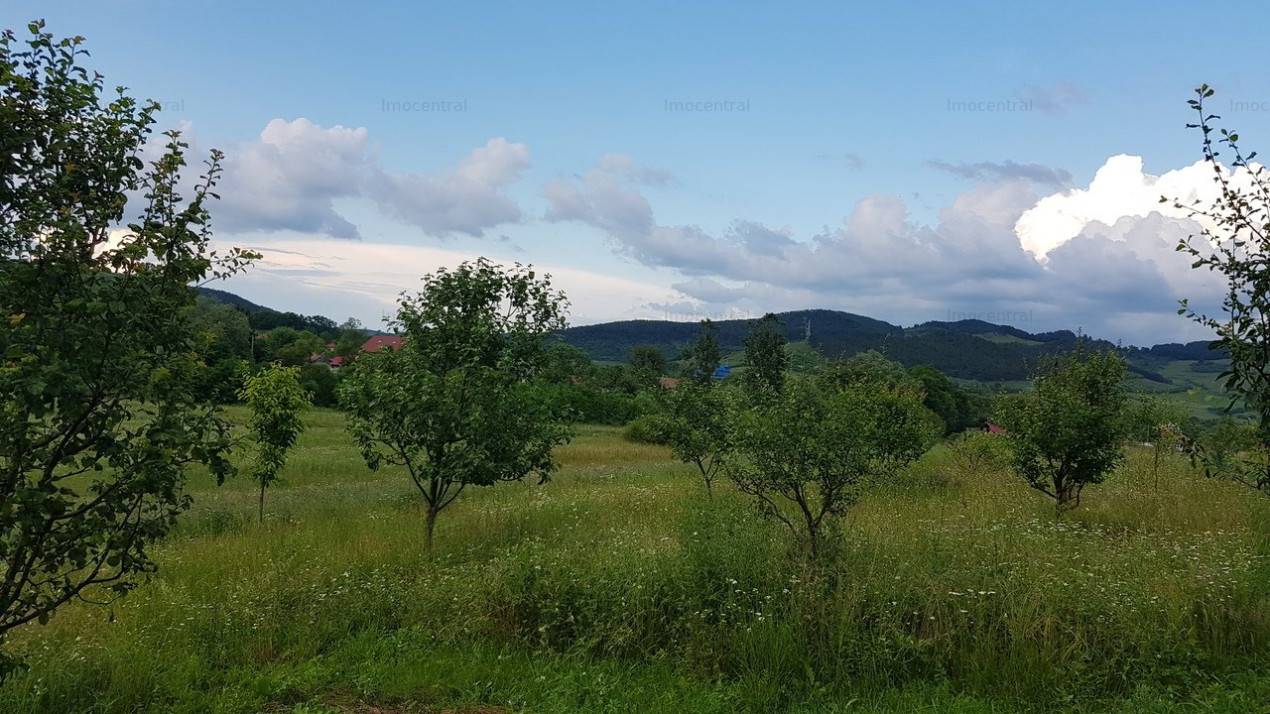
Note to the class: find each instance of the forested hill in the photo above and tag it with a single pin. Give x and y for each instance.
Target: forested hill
(967, 349)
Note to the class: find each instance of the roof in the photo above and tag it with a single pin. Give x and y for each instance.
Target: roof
(378, 342)
(668, 382)
(993, 428)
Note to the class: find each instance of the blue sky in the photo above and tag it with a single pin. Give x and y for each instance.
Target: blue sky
(908, 161)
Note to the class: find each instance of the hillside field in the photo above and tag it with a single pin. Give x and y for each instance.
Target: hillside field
(620, 587)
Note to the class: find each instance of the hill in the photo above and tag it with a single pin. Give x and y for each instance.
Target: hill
(972, 350)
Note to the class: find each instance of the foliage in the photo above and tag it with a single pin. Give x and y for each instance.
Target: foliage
(648, 364)
(1157, 421)
(1067, 432)
(698, 425)
(700, 360)
(276, 399)
(959, 407)
(648, 429)
(869, 367)
(975, 450)
(1233, 451)
(806, 456)
(1234, 241)
(98, 419)
(455, 405)
(289, 346)
(766, 361)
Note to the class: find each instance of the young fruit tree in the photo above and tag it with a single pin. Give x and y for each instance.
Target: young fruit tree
(276, 399)
(1067, 433)
(98, 420)
(809, 452)
(696, 421)
(766, 361)
(460, 404)
(1234, 240)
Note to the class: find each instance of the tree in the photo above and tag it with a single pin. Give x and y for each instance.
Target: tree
(97, 416)
(701, 359)
(1235, 241)
(290, 346)
(457, 406)
(1231, 450)
(1066, 433)
(1155, 420)
(766, 361)
(648, 364)
(351, 338)
(276, 399)
(807, 455)
(697, 427)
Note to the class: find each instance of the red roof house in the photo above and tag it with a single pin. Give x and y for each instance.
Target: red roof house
(993, 428)
(379, 342)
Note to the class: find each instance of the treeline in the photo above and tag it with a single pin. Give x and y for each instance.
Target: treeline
(966, 349)
(234, 342)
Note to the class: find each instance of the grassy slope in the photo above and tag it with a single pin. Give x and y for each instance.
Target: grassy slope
(618, 587)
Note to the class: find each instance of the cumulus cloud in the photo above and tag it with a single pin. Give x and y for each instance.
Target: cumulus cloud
(292, 175)
(1121, 187)
(1108, 253)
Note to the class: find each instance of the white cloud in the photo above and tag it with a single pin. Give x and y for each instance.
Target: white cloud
(364, 280)
(291, 177)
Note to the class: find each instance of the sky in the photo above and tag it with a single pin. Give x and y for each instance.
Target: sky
(905, 161)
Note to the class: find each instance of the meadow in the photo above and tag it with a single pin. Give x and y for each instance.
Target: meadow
(620, 586)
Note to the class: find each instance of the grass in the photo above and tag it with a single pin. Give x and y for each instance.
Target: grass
(620, 587)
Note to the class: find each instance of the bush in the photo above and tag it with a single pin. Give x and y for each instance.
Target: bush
(648, 429)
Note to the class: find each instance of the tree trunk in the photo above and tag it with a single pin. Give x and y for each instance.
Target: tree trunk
(430, 523)
(262, 502)
(1156, 466)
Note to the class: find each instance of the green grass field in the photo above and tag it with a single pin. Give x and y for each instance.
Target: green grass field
(619, 587)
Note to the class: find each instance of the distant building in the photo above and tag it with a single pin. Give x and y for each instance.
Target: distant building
(379, 342)
(668, 382)
(993, 428)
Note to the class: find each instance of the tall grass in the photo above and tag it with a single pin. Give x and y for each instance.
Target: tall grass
(619, 586)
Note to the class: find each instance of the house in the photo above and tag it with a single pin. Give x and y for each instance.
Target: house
(994, 429)
(379, 342)
(668, 382)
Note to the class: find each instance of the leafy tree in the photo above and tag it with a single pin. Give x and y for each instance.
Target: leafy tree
(222, 330)
(1234, 241)
(1231, 450)
(351, 337)
(290, 346)
(1067, 432)
(869, 367)
(702, 358)
(565, 364)
(766, 361)
(648, 364)
(1155, 420)
(807, 455)
(455, 406)
(276, 399)
(697, 427)
(960, 408)
(974, 450)
(321, 383)
(97, 416)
